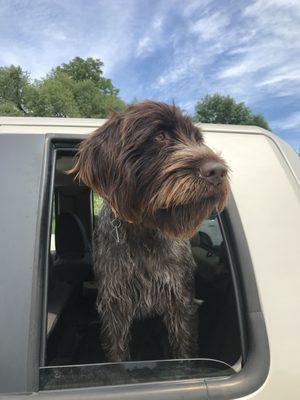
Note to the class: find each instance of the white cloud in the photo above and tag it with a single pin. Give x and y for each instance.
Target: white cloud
(192, 7)
(267, 59)
(211, 26)
(178, 72)
(283, 81)
(259, 7)
(48, 33)
(153, 38)
(291, 122)
(251, 53)
(204, 40)
(144, 46)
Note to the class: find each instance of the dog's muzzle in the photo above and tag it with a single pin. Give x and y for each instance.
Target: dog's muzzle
(213, 172)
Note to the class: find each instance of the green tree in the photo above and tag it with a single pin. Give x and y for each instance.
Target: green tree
(10, 109)
(225, 110)
(13, 83)
(74, 89)
(259, 120)
(79, 69)
(51, 97)
(88, 98)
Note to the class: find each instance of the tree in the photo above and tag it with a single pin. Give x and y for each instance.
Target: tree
(51, 97)
(79, 69)
(74, 89)
(259, 120)
(225, 110)
(13, 82)
(10, 109)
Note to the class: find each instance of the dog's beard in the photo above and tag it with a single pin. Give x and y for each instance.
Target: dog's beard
(181, 205)
(177, 208)
(183, 221)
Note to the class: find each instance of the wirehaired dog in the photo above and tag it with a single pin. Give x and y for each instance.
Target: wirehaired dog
(159, 181)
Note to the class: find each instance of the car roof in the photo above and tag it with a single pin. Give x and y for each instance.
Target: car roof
(42, 125)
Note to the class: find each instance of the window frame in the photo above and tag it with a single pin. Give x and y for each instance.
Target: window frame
(255, 348)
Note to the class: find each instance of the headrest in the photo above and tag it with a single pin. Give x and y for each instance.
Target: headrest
(70, 237)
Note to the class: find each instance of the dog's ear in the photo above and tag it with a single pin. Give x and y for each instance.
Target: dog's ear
(96, 158)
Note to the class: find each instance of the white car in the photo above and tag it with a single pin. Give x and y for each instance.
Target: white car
(247, 281)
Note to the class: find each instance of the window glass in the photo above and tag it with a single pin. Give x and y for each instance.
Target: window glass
(131, 372)
(211, 228)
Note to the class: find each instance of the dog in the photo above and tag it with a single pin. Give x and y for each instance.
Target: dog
(159, 181)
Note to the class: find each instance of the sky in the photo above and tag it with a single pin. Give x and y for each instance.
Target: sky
(172, 50)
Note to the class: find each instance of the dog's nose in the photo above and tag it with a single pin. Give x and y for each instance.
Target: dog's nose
(213, 171)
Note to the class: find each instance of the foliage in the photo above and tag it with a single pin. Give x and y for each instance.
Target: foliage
(13, 81)
(51, 98)
(88, 70)
(74, 89)
(225, 110)
(9, 108)
(97, 204)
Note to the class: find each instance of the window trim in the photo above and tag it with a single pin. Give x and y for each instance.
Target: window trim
(257, 362)
(82, 376)
(231, 250)
(47, 218)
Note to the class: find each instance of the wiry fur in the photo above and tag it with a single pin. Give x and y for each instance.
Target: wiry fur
(133, 284)
(146, 163)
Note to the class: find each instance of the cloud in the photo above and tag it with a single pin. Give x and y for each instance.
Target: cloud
(271, 56)
(152, 39)
(177, 72)
(47, 33)
(192, 7)
(196, 48)
(290, 122)
(260, 7)
(281, 76)
(210, 26)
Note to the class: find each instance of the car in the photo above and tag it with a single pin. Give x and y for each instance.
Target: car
(247, 280)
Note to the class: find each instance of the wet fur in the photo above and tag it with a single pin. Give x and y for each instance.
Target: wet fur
(146, 164)
(133, 284)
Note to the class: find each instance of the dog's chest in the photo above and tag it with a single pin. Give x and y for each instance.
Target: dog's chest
(145, 266)
(159, 262)
(158, 273)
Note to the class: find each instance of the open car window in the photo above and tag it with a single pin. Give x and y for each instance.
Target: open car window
(73, 354)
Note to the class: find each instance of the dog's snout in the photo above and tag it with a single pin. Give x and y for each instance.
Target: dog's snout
(213, 171)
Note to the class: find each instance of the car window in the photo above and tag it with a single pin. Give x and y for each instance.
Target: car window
(97, 204)
(74, 355)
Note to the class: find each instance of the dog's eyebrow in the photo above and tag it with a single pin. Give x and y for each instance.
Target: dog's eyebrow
(189, 136)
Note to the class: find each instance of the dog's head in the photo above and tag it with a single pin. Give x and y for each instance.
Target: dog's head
(151, 165)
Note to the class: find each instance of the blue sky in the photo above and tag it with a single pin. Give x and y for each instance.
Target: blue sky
(170, 50)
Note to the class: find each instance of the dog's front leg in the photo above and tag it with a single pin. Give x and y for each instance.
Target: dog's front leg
(115, 330)
(180, 321)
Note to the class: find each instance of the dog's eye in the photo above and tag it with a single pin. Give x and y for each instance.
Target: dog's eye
(161, 138)
(199, 139)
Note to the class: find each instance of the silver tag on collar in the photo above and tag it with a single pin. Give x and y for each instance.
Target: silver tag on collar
(116, 224)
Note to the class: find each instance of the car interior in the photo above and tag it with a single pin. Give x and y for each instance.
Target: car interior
(73, 324)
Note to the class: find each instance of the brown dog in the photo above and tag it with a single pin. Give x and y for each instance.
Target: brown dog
(159, 181)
